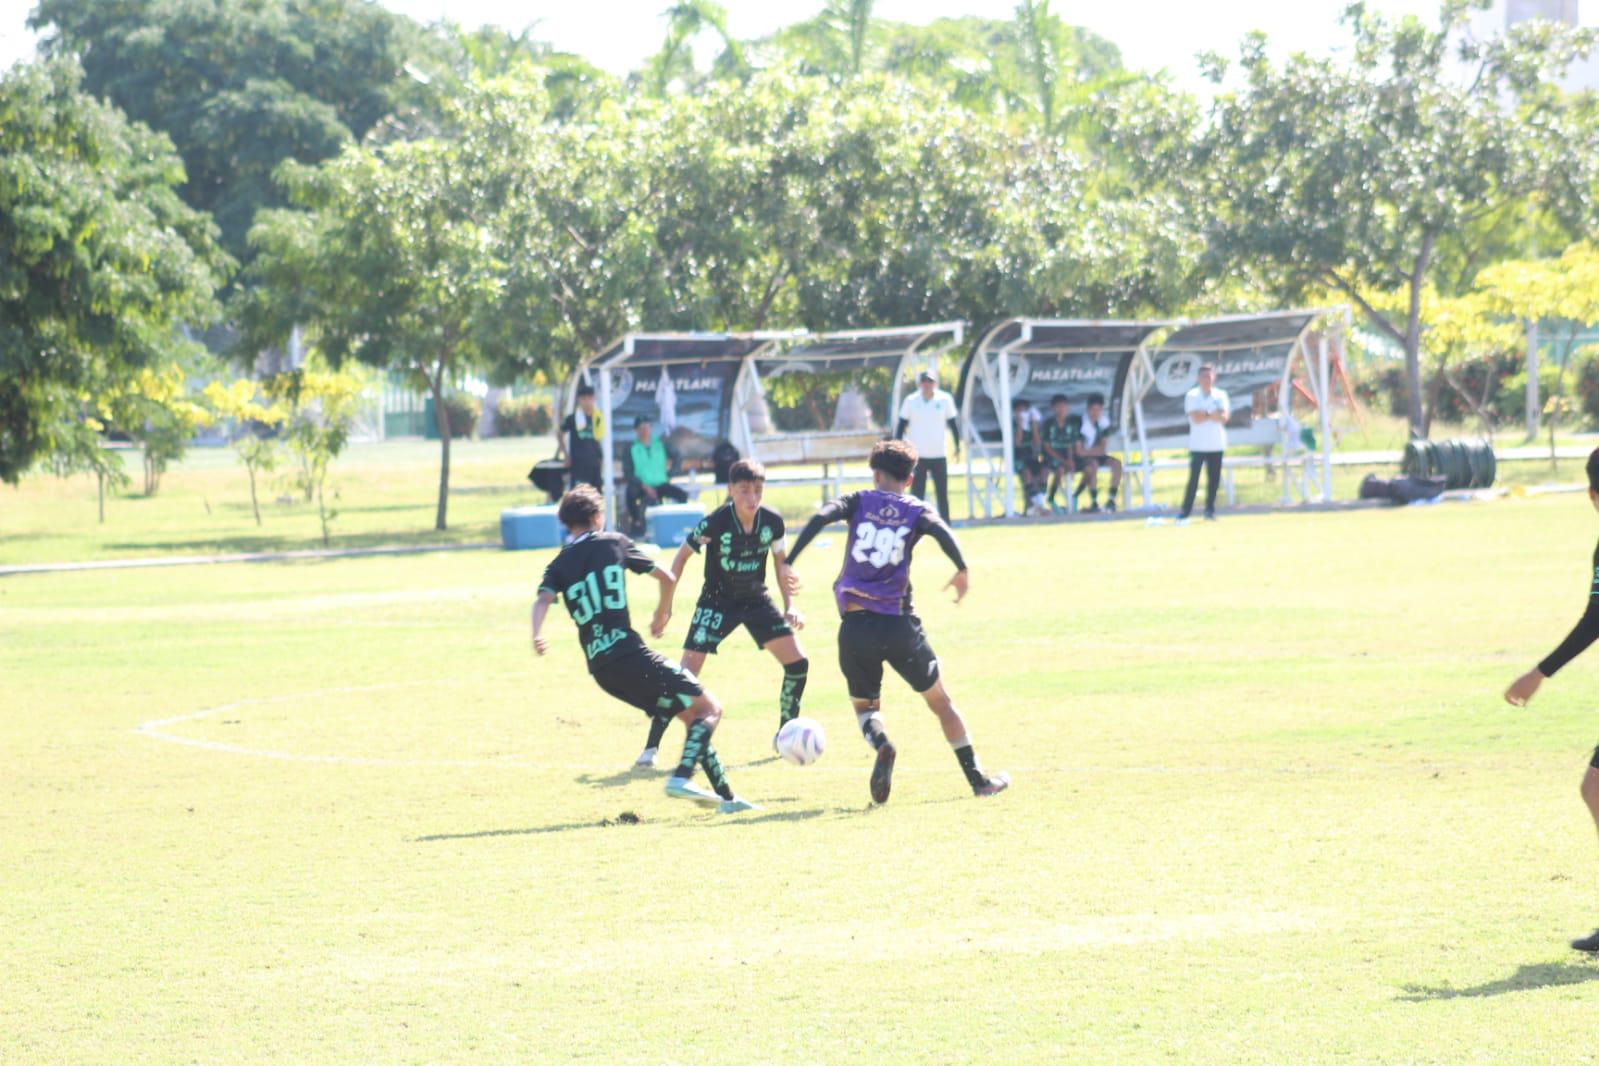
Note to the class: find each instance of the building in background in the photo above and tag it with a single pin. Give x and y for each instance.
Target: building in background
(1584, 74)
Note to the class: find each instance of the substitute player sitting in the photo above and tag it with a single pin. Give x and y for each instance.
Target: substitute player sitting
(1058, 438)
(590, 574)
(1584, 633)
(874, 597)
(1093, 452)
(736, 538)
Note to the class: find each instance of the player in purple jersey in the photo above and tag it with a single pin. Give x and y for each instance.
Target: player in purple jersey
(874, 597)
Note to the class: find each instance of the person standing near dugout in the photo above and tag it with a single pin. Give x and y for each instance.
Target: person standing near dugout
(1208, 409)
(924, 417)
(1583, 634)
(579, 441)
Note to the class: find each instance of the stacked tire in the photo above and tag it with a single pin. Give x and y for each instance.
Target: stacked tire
(1463, 464)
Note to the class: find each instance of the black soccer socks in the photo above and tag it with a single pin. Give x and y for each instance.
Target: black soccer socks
(699, 737)
(788, 701)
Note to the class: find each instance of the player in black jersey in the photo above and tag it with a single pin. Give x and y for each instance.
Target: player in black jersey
(590, 574)
(1583, 634)
(736, 538)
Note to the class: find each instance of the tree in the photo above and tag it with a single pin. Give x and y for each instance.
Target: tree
(76, 447)
(155, 412)
(397, 259)
(100, 261)
(1387, 171)
(1560, 294)
(253, 421)
(322, 405)
(685, 21)
(239, 85)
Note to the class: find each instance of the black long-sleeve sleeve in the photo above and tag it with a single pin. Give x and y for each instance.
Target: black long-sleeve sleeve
(899, 430)
(939, 530)
(832, 511)
(1583, 634)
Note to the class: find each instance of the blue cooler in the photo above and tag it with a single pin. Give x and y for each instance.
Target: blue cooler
(522, 528)
(669, 524)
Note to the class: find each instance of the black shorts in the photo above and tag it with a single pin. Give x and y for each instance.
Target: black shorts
(713, 621)
(1594, 762)
(867, 640)
(651, 682)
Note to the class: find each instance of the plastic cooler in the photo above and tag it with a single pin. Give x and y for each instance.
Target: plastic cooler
(669, 524)
(522, 528)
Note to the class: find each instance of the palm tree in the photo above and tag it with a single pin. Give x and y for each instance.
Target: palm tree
(686, 20)
(853, 18)
(1035, 28)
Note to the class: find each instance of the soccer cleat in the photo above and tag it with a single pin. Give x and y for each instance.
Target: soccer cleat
(645, 760)
(1183, 521)
(735, 805)
(684, 789)
(1093, 508)
(1210, 516)
(1110, 505)
(993, 786)
(1587, 943)
(883, 773)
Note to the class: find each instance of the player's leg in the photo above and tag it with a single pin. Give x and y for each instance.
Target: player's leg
(914, 660)
(860, 658)
(1115, 465)
(1212, 482)
(941, 485)
(1090, 480)
(796, 670)
(1590, 796)
(1195, 462)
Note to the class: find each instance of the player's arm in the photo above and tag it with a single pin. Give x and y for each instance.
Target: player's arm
(934, 526)
(541, 607)
(663, 607)
(1584, 633)
(899, 430)
(787, 582)
(830, 512)
(680, 560)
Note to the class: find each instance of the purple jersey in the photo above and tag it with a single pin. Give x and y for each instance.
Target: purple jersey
(883, 527)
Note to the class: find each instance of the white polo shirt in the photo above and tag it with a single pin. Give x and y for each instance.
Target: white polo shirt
(1207, 436)
(925, 420)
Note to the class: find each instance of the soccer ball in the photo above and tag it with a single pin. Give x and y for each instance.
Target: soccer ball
(801, 741)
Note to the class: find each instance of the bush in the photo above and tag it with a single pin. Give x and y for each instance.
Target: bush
(463, 411)
(522, 416)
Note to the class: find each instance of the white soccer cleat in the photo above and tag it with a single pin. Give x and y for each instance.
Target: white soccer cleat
(735, 805)
(645, 760)
(683, 788)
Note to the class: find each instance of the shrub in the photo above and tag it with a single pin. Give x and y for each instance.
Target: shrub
(522, 416)
(463, 411)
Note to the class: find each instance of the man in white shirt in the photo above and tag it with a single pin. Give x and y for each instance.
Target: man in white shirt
(924, 417)
(1208, 410)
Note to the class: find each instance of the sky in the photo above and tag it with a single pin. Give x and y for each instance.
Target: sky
(1152, 34)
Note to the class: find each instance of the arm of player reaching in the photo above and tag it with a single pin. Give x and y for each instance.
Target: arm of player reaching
(541, 607)
(1584, 633)
(786, 584)
(680, 560)
(935, 527)
(663, 609)
(830, 512)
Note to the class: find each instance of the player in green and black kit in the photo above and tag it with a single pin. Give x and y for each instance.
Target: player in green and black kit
(590, 574)
(737, 537)
(1584, 633)
(1058, 437)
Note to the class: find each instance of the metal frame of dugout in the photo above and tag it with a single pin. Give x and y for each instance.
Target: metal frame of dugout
(1143, 369)
(700, 388)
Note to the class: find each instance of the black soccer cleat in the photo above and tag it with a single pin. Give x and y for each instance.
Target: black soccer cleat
(1110, 505)
(1588, 943)
(883, 773)
(992, 786)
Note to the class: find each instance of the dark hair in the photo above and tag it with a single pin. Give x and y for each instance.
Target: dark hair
(1207, 366)
(579, 506)
(640, 421)
(1059, 397)
(896, 458)
(1593, 470)
(1096, 399)
(585, 390)
(746, 470)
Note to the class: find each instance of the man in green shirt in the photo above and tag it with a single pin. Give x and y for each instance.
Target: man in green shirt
(648, 480)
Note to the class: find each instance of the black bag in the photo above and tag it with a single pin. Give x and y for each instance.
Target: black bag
(1401, 489)
(723, 458)
(549, 475)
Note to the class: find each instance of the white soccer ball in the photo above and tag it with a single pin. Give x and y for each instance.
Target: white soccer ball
(801, 741)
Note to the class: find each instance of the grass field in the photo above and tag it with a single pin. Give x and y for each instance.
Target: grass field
(1268, 807)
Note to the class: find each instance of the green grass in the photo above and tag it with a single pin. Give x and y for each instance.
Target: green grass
(1268, 808)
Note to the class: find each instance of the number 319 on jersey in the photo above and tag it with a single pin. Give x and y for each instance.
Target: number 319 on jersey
(880, 546)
